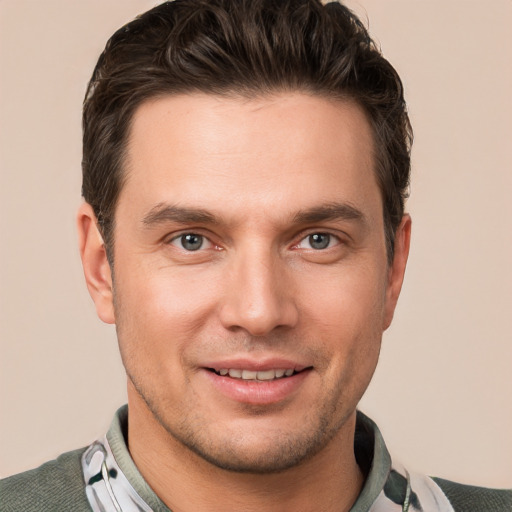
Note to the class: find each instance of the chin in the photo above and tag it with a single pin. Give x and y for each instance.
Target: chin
(240, 451)
(274, 455)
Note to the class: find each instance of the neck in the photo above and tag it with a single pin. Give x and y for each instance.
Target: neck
(186, 482)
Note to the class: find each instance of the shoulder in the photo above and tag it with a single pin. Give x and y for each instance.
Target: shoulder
(468, 498)
(56, 485)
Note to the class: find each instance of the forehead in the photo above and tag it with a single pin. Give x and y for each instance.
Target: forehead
(250, 155)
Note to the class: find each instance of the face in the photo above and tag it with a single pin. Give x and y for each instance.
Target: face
(251, 283)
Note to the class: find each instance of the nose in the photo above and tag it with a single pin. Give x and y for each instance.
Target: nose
(258, 295)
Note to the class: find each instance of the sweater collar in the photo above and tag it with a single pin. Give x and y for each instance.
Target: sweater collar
(113, 482)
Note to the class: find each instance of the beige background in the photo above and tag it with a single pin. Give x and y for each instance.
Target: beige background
(442, 393)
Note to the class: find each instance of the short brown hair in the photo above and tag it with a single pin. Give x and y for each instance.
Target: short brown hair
(248, 48)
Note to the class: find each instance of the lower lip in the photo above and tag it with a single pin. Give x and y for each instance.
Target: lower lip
(257, 392)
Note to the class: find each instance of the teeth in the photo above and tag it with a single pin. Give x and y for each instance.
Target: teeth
(255, 375)
(267, 375)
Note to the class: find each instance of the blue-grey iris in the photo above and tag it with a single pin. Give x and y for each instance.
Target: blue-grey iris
(319, 240)
(191, 242)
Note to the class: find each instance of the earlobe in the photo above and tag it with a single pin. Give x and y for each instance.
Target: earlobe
(397, 268)
(96, 267)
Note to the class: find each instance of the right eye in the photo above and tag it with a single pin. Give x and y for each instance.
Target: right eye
(191, 242)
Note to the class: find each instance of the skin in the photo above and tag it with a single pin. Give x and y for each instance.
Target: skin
(255, 178)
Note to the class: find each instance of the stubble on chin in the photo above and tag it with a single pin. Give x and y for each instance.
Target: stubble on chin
(238, 450)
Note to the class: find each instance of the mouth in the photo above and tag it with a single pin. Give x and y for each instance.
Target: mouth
(260, 382)
(253, 375)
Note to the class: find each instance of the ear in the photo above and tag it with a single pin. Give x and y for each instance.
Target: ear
(397, 268)
(95, 264)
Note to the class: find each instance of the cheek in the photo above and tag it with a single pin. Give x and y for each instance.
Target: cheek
(350, 298)
(346, 315)
(171, 298)
(159, 315)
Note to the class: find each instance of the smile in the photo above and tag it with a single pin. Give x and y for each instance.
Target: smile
(263, 375)
(260, 383)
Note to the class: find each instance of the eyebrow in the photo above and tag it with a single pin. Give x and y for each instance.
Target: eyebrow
(328, 212)
(162, 213)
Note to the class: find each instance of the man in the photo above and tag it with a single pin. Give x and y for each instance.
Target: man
(245, 168)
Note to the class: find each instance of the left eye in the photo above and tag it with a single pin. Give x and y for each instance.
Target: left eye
(191, 242)
(318, 241)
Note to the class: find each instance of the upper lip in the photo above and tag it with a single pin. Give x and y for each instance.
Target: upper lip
(256, 364)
